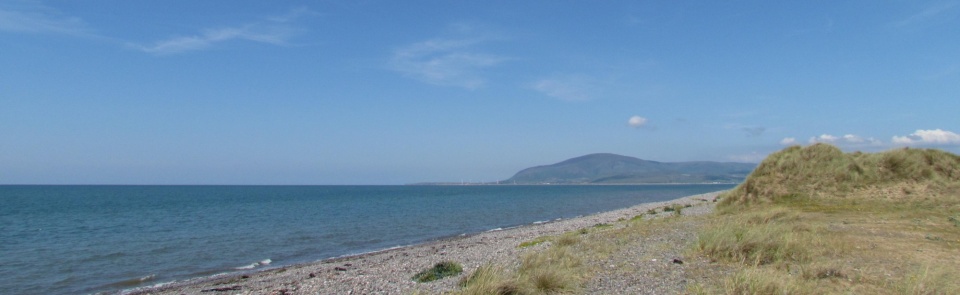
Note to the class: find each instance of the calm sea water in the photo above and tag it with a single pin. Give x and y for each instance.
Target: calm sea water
(89, 239)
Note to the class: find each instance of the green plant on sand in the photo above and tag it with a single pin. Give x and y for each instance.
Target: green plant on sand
(439, 271)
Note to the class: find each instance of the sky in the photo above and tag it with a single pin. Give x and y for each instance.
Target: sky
(396, 92)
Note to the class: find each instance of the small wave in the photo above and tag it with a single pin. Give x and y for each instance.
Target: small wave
(133, 282)
(496, 229)
(140, 289)
(148, 278)
(255, 264)
(540, 222)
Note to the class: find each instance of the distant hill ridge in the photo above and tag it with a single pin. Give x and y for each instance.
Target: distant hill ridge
(606, 168)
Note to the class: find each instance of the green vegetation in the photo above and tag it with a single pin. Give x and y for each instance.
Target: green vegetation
(602, 225)
(810, 220)
(823, 171)
(438, 271)
(675, 208)
(564, 265)
(558, 269)
(533, 242)
(817, 221)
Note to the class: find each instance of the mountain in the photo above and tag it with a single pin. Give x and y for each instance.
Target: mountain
(617, 169)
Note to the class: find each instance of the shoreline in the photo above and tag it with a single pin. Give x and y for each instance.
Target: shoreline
(388, 271)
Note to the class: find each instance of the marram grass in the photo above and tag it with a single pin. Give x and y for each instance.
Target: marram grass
(823, 170)
(815, 220)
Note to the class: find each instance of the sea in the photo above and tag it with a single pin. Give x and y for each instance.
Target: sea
(107, 239)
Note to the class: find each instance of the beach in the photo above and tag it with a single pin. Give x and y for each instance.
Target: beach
(390, 271)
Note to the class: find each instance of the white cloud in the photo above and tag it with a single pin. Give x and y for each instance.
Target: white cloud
(637, 121)
(853, 138)
(41, 20)
(823, 138)
(928, 137)
(569, 88)
(275, 30)
(846, 140)
(788, 141)
(445, 62)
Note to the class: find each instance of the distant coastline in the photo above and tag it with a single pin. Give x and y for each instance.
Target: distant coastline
(561, 184)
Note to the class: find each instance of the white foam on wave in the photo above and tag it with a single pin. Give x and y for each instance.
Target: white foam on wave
(255, 264)
(496, 229)
(148, 277)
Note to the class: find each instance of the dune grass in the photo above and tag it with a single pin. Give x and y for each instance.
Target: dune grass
(808, 220)
(817, 221)
(823, 171)
(566, 262)
(557, 269)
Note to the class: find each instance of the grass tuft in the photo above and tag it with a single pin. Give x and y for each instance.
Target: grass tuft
(534, 242)
(487, 280)
(762, 281)
(438, 271)
(602, 225)
(551, 271)
(762, 238)
(930, 280)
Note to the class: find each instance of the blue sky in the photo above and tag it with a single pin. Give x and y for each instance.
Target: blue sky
(393, 92)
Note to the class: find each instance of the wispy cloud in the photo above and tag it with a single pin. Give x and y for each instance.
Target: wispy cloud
(209, 37)
(928, 137)
(38, 19)
(569, 88)
(276, 30)
(446, 61)
(928, 13)
(749, 130)
(788, 141)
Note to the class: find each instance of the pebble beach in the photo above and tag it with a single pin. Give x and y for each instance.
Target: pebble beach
(390, 271)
